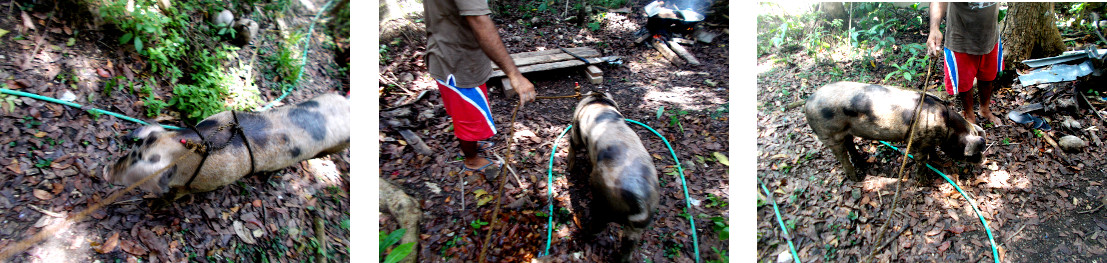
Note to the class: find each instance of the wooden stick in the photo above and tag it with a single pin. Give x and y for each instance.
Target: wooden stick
(683, 53)
(666, 52)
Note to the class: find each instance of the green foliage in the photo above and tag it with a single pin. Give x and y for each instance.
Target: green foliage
(399, 252)
(153, 106)
(95, 115)
(721, 228)
(477, 224)
(287, 59)
(722, 256)
(196, 102)
(911, 69)
(715, 201)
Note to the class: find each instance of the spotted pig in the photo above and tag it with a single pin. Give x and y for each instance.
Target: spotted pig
(278, 138)
(623, 178)
(839, 111)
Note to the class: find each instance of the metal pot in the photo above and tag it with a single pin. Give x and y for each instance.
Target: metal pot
(666, 21)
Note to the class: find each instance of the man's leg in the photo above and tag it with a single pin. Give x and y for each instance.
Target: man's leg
(472, 160)
(986, 102)
(966, 105)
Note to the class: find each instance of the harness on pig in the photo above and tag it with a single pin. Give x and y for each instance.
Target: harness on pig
(205, 147)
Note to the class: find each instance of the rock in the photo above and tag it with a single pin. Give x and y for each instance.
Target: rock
(784, 257)
(1071, 143)
(1071, 123)
(406, 77)
(245, 30)
(68, 96)
(704, 36)
(406, 211)
(224, 18)
(164, 5)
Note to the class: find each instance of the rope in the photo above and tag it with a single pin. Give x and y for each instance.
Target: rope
(972, 203)
(75, 105)
(303, 58)
(910, 141)
(503, 181)
(51, 230)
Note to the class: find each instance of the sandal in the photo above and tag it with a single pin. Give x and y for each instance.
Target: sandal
(494, 172)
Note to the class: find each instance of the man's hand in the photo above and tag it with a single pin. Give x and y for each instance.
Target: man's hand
(522, 86)
(934, 43)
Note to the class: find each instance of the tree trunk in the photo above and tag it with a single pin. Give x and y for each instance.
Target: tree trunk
(1028, 32)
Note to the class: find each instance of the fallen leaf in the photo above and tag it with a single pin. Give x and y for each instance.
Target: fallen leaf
(479, 192)
(1062, 193)
(243, 233)
(133, 248)
(484, 200)
(43, 194)
(957, 229)
(3, 32)
(14, 167)
(944, 246)
(257, 202)
(103, 73)
(153, 241)
(722, 158)
(110, 244)
(934, 232)
(27, 22)
(58, 188)
(40, 134)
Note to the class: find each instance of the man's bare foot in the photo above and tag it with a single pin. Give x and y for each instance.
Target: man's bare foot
(991, 118)
(476, 163)
(969, 116)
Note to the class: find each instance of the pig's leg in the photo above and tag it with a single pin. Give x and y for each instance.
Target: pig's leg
(922, 158)
(631, 236)
(838, 147)
(574, 145)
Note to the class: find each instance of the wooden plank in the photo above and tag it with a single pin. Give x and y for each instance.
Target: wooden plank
(665, 51)
(684, 53)
(595, 76)
(593, 71)
(548, 56)
(548, 66)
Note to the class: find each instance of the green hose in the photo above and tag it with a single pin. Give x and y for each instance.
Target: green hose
(303, 58)
(768, 194)
(972, 203)
(75, 105)
(687, 203)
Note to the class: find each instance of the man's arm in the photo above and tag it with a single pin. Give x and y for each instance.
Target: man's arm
(934, 41)
(489, 40)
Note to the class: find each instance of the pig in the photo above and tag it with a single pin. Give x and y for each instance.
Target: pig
(623, 179)
(842, 110)
(277, 139)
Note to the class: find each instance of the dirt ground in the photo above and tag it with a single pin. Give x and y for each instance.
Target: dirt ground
(1041, 205)
(694, 120)
(53, 157)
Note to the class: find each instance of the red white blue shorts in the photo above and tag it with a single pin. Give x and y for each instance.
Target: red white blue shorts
(468, 107)
(962, 68)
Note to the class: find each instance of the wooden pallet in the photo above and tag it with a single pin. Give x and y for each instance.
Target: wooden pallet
(536, 61)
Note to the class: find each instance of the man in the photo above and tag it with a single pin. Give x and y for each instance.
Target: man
(462, 40)
(973, 50)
